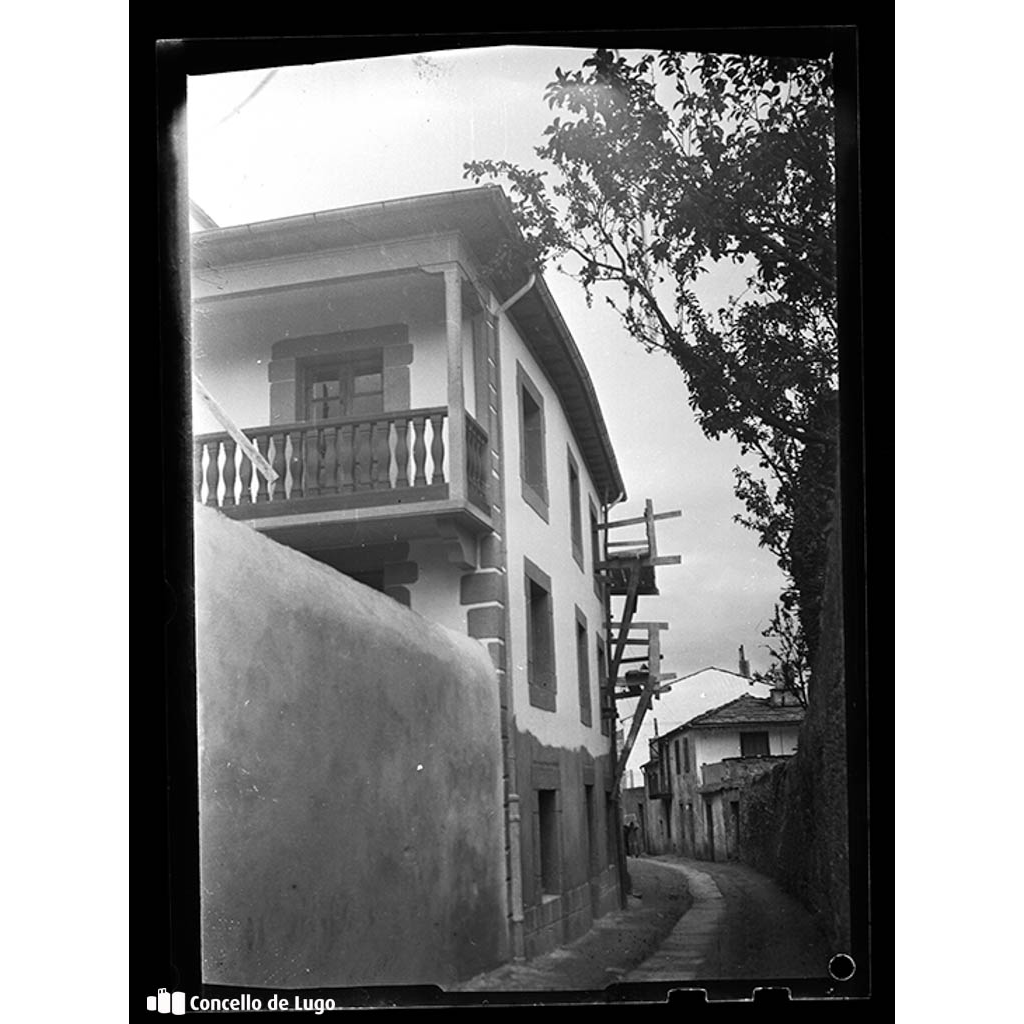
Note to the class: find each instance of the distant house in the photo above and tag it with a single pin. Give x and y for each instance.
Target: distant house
(436, 436)
(695, 772)
(689, 696)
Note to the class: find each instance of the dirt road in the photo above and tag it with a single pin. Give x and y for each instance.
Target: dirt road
(617, 943)
(693, 921)
(741, 925)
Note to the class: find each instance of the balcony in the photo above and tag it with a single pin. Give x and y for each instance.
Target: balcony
(393, 467)
(656, 780)
(734, 772)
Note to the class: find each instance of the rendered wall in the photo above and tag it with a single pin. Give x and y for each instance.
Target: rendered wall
(351, 825)
(554, 749)
(549, 545)
(587, 879)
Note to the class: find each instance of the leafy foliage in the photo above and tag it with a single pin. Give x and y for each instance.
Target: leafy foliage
(654, 172)
(790, 667)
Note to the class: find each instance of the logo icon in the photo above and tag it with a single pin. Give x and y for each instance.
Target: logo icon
(166, 1002)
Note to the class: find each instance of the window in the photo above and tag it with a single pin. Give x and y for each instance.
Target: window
(344, 387)
(531, 442)
(675, 750)
(324, 377)
(588, 802)
(547, 818)
(753, 744)
(607, 707)
(575, 516)
(540, 641)
(686, 755)
(595, 549)
(583, 668)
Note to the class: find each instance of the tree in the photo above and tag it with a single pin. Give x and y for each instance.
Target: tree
(647, 196)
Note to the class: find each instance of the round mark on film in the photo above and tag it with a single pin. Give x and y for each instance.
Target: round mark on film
(841, 967)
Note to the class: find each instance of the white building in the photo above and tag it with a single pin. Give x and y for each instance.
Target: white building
(696, 770)
(689, 696)
(436, 435)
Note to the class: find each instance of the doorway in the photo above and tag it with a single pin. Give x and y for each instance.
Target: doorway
(709, 819)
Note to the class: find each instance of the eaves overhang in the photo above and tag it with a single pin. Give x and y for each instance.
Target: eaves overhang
(484, 218)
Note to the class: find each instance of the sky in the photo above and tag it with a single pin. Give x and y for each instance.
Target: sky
(339, 134)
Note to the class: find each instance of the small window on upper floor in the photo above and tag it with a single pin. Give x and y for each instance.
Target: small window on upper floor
(606, 702)
(583, 668)
(575, 515)
(595, 550)
(531, 444)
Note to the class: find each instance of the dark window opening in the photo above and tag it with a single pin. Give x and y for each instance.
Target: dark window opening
(547, 817)
(687, 767)
(753, 744)
(607, 706)
(588, 802)
(583, 669)
(540, 644)
(533, 442)
(575, 515)
(531, 457)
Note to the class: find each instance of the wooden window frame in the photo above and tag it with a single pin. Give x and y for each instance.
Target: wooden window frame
(535, 491)
(604, 699)
(583, 668)
(347, 362)
(542, 680)
(595, 546)
(575, 508)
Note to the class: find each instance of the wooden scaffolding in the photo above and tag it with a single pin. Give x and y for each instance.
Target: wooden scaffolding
(628, 571)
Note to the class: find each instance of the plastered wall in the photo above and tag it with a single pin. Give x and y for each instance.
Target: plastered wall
(351, 826)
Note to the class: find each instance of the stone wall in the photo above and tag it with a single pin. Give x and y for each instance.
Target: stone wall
(350, 779)
(793, 820)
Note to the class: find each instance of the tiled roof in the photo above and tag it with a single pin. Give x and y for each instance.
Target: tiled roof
(746, 710)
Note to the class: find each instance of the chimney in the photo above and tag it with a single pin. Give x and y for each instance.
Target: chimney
(744, 665)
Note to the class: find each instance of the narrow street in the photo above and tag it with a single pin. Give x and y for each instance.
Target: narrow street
(688, 921)
(740, 925)
(618, 942)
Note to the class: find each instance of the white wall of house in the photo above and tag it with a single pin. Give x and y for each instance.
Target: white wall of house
(232, 337)
(711, 746)
(549, 546)
(688, 698)
(435, 594)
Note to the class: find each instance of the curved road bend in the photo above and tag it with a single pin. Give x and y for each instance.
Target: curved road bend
(741, 925)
